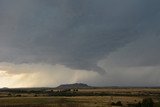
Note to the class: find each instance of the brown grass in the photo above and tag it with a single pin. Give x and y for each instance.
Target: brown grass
(81, 101)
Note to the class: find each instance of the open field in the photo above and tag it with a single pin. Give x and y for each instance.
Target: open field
(87, 97)
(81, 101)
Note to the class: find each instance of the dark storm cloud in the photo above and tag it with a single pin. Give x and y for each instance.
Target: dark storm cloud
(73, 33)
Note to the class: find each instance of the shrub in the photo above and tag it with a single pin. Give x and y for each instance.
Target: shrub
(112, 103)
(147, 102)
(19, 95)
(117, 103)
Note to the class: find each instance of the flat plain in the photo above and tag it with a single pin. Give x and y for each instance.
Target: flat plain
(87, 97)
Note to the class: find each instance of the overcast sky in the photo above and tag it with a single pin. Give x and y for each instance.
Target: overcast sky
(98, 42)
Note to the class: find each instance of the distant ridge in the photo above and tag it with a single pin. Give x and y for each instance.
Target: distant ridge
(71, 86)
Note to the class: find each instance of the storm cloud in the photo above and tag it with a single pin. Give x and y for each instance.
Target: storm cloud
(89, 35)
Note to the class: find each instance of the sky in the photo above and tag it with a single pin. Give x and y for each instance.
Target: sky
(45, 43)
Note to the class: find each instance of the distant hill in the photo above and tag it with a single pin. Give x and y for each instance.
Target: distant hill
(71, 86)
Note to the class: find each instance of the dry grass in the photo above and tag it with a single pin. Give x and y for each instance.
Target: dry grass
(121, 90)
(81, 101)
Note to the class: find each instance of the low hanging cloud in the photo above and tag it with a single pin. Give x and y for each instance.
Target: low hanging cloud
(136, 64)
(98, 36)
(41, 75)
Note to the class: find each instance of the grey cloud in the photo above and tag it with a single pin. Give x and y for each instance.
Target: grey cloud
(76, 34)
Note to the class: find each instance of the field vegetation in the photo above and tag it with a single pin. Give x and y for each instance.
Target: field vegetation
(82, 97)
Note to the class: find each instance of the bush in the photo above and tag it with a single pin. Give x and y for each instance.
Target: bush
(19, 95)
(117, 103)
(112, 103)
(10, 94)
(147, 102)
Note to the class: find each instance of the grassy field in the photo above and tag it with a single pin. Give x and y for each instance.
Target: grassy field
(124, 95)
(81, 101)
